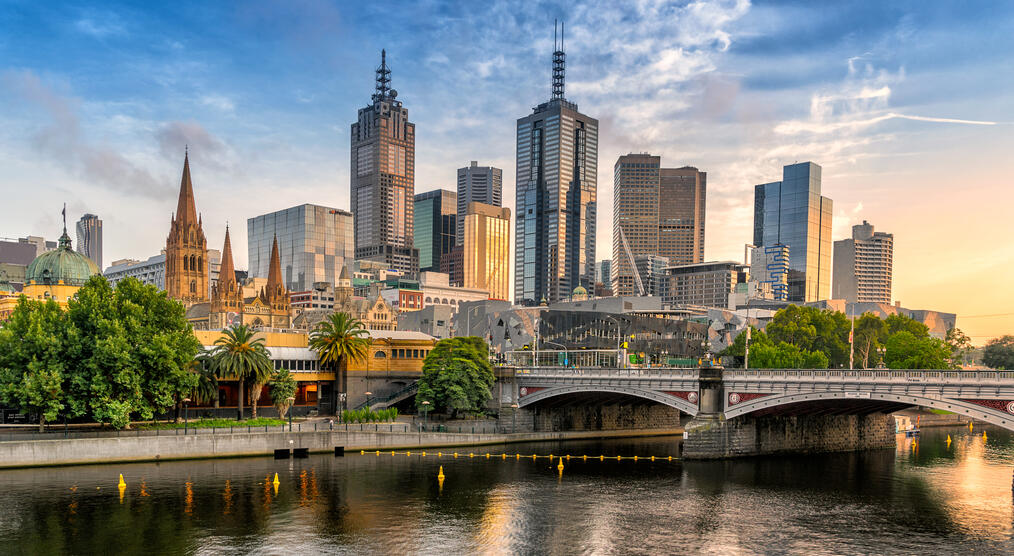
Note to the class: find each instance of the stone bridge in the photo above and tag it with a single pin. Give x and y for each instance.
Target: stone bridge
(734, 410)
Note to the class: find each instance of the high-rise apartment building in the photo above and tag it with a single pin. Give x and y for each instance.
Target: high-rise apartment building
(89, 238)
(477, 184)
(793, 213)
(383, 178)
(557, 167)
(314, 244)
(863, 266)
(486, 250)
(656, 211)
(436, 215)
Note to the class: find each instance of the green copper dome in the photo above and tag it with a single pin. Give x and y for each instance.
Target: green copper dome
(5, 284)
(62, 264)
(580, 291)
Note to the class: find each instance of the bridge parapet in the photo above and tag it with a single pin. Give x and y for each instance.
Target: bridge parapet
(871, 375)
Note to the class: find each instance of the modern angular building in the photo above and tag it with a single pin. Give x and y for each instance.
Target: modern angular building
(436, 215)
(863, 266)
(793, 213)
(89, 238)
(314, 244)
(651, 269)
(486, 250)
(557, 167)
(656, 211)
(708, 284)
(477, 184)
(383, 178)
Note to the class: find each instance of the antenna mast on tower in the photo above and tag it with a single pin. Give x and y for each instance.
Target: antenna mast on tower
(383, 78)
(559, 61)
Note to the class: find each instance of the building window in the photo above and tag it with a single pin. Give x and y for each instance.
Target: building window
(379, 355)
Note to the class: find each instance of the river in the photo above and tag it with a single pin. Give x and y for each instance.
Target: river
(929, 497)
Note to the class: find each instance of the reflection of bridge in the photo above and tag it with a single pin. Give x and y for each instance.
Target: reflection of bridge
(715, 396)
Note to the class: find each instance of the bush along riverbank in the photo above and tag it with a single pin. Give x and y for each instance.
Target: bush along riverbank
(370, 416)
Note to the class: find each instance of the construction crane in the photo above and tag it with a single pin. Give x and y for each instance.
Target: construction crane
(633, 267)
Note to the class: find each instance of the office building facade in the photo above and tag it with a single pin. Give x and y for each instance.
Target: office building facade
(486, 250)
(603, 273)
(682, 193)
(89, 238)
(383, 178)
(557, 167)
(314, 244)
(477, 184)
(709, 284)
(793, 213)
(769, 267)
(436, 215)
(863, 266)
(651, 269)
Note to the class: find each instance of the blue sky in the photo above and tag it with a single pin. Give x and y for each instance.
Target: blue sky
(906, 105)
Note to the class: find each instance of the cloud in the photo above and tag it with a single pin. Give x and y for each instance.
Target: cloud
(106, 25)
(174, 137)
(220, 102)
(64, 141)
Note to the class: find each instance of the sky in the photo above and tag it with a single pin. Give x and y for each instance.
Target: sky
(907, 106)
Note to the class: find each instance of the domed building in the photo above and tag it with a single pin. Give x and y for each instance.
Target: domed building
(56, 274)
(579, 294)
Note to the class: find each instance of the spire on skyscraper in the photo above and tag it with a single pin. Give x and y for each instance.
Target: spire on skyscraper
(384, 90)
(559, 61)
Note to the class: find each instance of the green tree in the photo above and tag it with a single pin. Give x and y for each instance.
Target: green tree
(737, 348)
(870, 334)
(283, 387)
(241, 355)
(999, 353)
(338, 339)
(908, 351)
(457, 376)
(792, 325)
(785, 356)
(206, 390)
(900, 323)
(960, 345)
(812, 329)
(32, 367)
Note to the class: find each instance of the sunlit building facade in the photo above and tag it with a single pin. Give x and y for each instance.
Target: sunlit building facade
(486, 249)
(477, 184)
(314, 243)
(863, 266)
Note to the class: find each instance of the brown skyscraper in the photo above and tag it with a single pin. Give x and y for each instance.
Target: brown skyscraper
(186, 249)
(682, 193)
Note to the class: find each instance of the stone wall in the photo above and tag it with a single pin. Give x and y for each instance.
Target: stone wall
(716, 437)
(605, 417)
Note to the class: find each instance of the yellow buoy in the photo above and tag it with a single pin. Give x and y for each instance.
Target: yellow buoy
(618, 458)
(948, 440)
(440, 474)
(471, 455)
(362, 452)
(670, 458)
(652, 458)
(969, 425)
(424, 454)
(635, 458)
(440, 454)
(408, 453)
(504, 456)
(533, 457)
(455, 454)
(560, 467)
(568, 457)
(276, 479)
(602, 458)
(487, 455)
(550, 458)
(517, 456)
(984, 435)
(585, 457)
(121, 483)
(378, 452)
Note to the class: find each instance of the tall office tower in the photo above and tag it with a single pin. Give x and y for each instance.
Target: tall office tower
(187, 272)
(486, 250)
(383, 178)
(557, 167)
(314, 244)
(477, 184)
(436, 214)
(863, 265)
(89, 238)
(792, 212)
(635, 217)
(682, 194)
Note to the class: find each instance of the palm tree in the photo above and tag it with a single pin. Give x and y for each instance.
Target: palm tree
(239, 354)
(207, 378)
(336, 340)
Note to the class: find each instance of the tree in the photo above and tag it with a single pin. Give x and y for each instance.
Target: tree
(960, 345)
(457, 376)
(792, 325)
(32, 370)
(283, 387)
(239, 354)
(206, 389)
(785, 356)
(812, 329)
(999, 353)
(870, 333)
(900, 323)
(908, 351)
(338, 339)
(737, 348)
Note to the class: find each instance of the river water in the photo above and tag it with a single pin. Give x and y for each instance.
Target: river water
(925, 497)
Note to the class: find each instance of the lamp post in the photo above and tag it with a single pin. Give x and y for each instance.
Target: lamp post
(426, 411)
(186, 415)
(368, 394)
(514, 418)
(292, 402)
(619, 361)
(535, 360)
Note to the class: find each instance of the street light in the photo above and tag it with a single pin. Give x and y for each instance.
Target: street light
(186, 415)
(619, 360)
(368, 394)
(426, 411)
(292, 402)
(514, 418)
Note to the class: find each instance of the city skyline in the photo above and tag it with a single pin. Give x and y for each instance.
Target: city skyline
(870, 106)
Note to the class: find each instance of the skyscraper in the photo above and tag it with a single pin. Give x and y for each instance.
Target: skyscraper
(314, 242)
(792, 212)
(477, 184)
(436, 214)
(89, 238)
(486, 250)
(383, 178)
(557, 165)
(186, 249)
(863, 266)
(656, 211)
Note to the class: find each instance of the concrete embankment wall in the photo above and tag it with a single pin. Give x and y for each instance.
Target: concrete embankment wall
(753, 436)
(606, 417)
(35, 453)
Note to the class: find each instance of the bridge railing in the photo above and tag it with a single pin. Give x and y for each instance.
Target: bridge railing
(635, 372)
(869, 375)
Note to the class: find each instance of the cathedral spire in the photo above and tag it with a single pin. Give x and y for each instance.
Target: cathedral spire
(275, 271)
(227, 272)
(186, 208)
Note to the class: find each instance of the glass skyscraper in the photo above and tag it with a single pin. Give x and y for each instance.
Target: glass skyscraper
(435, 225)
(792, 212)
(89, 238)
(557, 167)
(314, 244)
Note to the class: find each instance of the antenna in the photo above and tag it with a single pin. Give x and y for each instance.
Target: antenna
(559, 61)
(383, 78)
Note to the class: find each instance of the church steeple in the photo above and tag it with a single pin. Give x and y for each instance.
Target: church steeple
(227, 271)
(186, 207)
(186, 248)
(275, 270)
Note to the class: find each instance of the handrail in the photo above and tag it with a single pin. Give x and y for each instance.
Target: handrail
(408, 389)
(780, 375)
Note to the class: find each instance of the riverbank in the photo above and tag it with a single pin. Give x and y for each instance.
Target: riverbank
(87, 451)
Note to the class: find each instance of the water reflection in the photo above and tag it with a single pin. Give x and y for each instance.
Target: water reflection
(926, 496)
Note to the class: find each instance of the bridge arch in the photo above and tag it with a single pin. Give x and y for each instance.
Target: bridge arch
(982, 413)
(652, 395)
